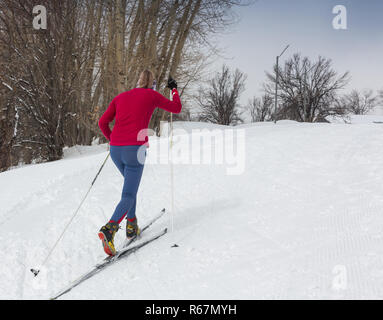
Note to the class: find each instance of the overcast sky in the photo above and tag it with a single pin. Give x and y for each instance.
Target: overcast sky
(267, 26)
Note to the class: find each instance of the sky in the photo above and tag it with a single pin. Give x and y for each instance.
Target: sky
(267, 26)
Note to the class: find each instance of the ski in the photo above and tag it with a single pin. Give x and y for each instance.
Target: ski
(107, 263)
(124, 252)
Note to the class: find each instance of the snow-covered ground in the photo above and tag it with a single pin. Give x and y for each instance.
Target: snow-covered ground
(304, 220)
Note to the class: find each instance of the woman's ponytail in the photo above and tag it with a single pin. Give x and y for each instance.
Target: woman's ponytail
(146, 79)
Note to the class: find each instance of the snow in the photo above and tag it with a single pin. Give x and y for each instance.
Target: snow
(17, 118)
(374, 116)
(304, 220)
(7, 85)
(377, 111)
(358, 119)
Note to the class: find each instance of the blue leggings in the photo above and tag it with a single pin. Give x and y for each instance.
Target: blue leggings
(130, 161)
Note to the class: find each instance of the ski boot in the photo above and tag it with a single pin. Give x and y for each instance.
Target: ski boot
(106, 235)
(132, 229)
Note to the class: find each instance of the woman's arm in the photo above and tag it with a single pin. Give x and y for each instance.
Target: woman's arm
(107, 118)
(174, 106)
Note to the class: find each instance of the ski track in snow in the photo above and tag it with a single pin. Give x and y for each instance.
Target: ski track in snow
(310, 201)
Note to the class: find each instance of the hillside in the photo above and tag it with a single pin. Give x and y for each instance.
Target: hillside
(304, 220)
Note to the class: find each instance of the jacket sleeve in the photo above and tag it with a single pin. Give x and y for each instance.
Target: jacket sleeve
(107, 118)
(174, 106)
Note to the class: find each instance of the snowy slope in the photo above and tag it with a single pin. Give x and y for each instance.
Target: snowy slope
(305, 220)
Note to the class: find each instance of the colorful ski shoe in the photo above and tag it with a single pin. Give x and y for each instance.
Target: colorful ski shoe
(106, 235)
(132, 229)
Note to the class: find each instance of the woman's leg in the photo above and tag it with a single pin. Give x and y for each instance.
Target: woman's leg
(133, 170)
(116, 155)
(126, 160)
(131, 214)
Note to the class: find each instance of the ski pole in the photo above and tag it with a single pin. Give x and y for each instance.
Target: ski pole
(172, 170)
(170, 156)
(35, 271)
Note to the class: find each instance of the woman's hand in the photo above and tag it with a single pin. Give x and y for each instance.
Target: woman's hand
(172, 84)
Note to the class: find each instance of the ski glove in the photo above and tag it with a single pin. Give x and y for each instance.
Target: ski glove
(172, 84)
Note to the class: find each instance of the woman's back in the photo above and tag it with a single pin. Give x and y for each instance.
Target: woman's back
(132, 111)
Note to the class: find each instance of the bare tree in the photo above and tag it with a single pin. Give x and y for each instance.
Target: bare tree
(8, 126)
(219, 102)
(307, 90)
(56, 83)
(359, 102)
(193, 29)
(41, 70)
(260, 109)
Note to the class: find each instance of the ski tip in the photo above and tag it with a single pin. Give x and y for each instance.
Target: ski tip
(163, 210)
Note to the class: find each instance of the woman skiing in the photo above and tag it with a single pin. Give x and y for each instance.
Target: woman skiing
(132, 111)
